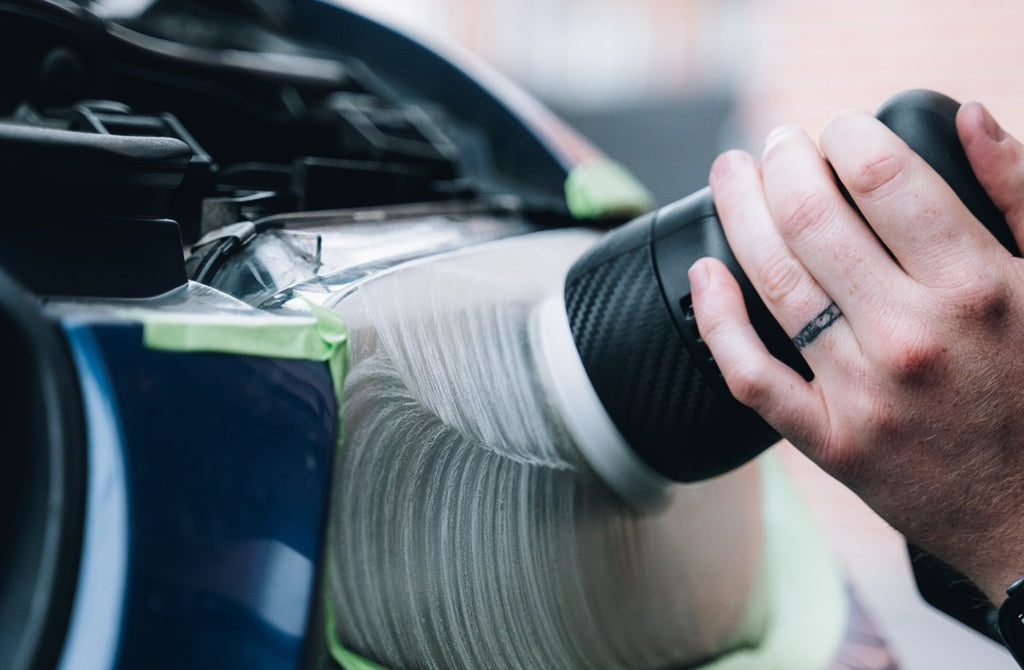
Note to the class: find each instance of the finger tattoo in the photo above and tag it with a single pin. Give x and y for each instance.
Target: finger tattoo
(810, 332)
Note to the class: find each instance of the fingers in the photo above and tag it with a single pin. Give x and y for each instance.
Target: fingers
(779, 277)
(906, 381)
(823, 230)
(754, 376)
(913, 211)
(802, 246)
(998, 162)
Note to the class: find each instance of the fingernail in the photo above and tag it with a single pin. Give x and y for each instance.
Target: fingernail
(699, 276)
(776, 134)
(989, 124)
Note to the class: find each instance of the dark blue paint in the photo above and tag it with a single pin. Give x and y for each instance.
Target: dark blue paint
(227, 464)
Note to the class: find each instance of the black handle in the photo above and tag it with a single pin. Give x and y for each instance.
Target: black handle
(628, 303)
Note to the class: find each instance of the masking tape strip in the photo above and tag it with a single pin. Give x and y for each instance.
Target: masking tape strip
(324, 338)
(807, 602)
(601, 188)
(342, 656)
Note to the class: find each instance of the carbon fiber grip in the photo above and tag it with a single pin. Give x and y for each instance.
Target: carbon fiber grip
(627, 300)
(642, 370)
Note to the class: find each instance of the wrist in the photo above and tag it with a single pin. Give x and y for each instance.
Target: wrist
(987, 557)
(994, 578)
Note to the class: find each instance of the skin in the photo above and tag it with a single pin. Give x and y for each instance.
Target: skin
(917, 403)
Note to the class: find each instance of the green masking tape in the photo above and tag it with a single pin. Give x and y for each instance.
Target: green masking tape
(322, 338)
(801, 584)
(602, 188)
(342, 656)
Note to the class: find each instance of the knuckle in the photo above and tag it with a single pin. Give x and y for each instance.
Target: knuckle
(779, 275)
(747, 385)
(803, 210)
(914, 359)
(986, 301)
(877, 174)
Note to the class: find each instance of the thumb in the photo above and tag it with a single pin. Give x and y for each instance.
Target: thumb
(997, 159)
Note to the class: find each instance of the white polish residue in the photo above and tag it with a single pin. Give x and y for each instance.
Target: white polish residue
(466, 531)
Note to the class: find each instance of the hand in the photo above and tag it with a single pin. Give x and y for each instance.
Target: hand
(917, 402)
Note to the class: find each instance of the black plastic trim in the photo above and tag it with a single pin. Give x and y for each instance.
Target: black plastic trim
(42, 483)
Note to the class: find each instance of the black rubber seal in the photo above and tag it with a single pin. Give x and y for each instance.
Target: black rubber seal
(42, 482)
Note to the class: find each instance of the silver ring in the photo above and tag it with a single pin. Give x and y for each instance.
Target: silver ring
(815, 326)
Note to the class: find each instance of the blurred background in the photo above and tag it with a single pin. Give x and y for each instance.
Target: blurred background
(665, 85)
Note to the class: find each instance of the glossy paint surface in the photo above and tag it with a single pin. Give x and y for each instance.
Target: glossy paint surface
(207, 495)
